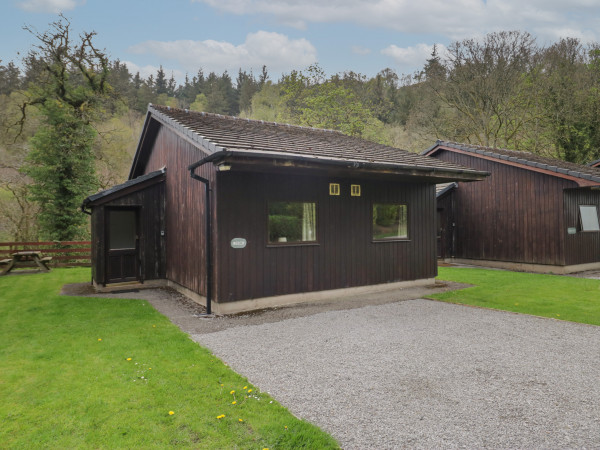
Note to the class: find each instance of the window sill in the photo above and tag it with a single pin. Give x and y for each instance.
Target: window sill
(292, 244)
(379, 241)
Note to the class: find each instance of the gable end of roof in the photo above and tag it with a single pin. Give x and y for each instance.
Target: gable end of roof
(524, 159)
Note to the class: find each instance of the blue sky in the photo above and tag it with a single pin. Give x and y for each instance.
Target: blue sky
(364, 36)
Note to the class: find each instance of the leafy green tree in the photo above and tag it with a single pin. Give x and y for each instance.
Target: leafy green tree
(68, 94)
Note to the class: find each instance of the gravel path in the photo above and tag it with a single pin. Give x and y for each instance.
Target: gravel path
(425, 374)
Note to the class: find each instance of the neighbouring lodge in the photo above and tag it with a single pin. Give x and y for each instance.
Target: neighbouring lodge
(245, 214)
(532, 213)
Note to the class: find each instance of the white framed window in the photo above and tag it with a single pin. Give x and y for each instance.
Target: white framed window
(588, 215)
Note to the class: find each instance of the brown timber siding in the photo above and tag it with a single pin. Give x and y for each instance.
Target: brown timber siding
(185, 208)
(345, 255)
(513, 215)
(582, 247)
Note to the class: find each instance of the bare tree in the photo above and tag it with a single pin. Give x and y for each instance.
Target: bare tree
(487, 86)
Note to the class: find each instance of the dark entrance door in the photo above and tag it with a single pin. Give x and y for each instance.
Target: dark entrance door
(122, 258)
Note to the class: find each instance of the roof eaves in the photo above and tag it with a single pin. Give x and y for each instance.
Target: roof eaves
(127, 184)
(355, 163)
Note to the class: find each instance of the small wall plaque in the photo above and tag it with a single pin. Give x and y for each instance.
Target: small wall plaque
(238, 243)
(572, 230)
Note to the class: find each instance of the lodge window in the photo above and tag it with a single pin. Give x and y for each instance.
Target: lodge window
(292, 222)
(390, 221)
(589, 218)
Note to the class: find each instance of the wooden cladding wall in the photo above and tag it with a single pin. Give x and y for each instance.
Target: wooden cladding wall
(514, 215)
(583, 246)
(345, 254)
(150, 204)
(185, 210)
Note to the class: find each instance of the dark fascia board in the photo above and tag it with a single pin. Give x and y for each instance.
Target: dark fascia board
(146, 138)
(272, 158)
(129, 186)
(440, 145)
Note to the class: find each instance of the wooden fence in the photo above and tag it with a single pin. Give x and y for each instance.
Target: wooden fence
(64, 254)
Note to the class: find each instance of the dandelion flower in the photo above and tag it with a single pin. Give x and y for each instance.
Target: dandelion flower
(128, 359)
(233, 402)
(240, 420)
(171, 413)
(232, 392)
(149, 368)
(285, 427)
(249, 390)
(222, 416)
(153, 326)
(558, 315)
(245, 387)
(99, 339)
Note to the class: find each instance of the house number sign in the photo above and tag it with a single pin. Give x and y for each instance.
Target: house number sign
(238, 243)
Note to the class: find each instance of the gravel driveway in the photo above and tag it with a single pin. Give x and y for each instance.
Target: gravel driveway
(425, 374)
(410, 373)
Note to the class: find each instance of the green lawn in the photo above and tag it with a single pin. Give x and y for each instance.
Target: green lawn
(559, 297)
(106, 373)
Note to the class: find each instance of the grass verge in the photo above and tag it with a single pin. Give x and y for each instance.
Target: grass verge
(113, 373)
(558, 297)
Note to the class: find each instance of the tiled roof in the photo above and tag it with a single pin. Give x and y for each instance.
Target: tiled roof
(217, 133)
(526, 159)
(595, 163)
(120, 187)
(442, 188)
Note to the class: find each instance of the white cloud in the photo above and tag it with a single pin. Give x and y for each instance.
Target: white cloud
(359, 50)
(454, 19)
(409, 59)
(276, 51)
(49, 6)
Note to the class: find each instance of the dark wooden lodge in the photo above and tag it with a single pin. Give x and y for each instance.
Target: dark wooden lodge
(294, 211)
(532, 213)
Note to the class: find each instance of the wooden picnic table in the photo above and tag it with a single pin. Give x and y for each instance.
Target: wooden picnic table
(20, 258)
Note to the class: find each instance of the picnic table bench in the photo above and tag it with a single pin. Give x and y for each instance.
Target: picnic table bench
(19, 258)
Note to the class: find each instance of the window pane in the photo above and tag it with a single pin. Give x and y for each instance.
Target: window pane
(121, 229)
(292, 222)
(390, 221)
(589, 218)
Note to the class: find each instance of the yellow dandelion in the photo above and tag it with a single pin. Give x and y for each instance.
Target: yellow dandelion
(149, 368)
(558, 315)
(234, 402)
(128, 359)
(99, 339)
(232, 392)
(153, 326)
(249, 390)
(171, 413)
(222, 385)
(222, 416)
(240, 420)
(285, 427)
(245, 387)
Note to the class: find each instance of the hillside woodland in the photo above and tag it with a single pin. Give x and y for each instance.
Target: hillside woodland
(70, 117)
